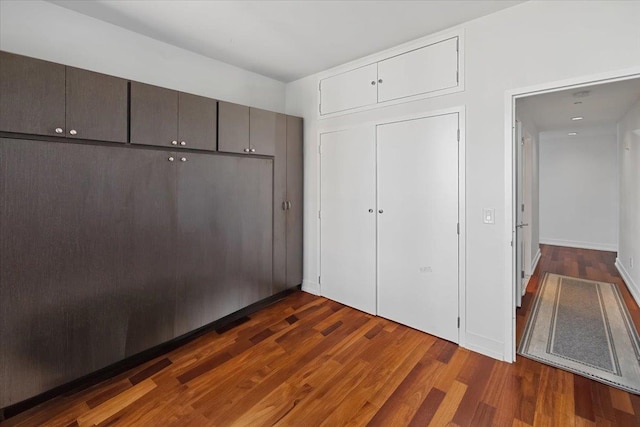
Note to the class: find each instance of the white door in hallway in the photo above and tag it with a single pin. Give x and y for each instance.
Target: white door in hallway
(348, 218)
(417, 181)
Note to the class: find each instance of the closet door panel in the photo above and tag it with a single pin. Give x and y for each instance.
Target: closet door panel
(417, 229)
(348, 219)
(295, 182)
(31, 95)
(263, 131)
(233, 128)
(97, 106)
(197, 122)
(280, 212)
(154, 115)
(352, 89)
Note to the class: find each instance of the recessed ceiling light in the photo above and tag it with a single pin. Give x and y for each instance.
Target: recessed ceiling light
(572, 133)
(577, 118)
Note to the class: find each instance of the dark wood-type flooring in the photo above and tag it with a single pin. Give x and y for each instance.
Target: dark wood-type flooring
(309, 361)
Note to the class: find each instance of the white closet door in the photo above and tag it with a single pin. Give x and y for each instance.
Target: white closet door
(423, 70)
(417, 229)
(347, 228)
(353, 89)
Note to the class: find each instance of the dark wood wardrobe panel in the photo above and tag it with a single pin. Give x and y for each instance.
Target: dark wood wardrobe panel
(224, 240)
(295, 183)
(97, 106)
(87, 267)
(279, 206)
(154, 115)
(31, 95)
(197, 121)
(263, 131)
(233, 128)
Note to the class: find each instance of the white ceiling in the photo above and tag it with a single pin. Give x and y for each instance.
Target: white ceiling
(605, 105)
(285, 40)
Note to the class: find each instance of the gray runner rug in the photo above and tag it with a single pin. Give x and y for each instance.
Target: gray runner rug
(584, 327)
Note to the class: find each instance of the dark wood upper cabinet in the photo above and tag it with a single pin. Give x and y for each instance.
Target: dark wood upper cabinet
(96, 106)
(233, 128)
(197, 121)
(168, 118)
(263, 131)
(154, 115)
(32, 95)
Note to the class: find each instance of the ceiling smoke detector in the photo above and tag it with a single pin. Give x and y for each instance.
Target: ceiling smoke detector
(582, 94)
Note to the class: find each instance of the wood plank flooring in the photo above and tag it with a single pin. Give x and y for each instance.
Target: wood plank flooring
(309, 361)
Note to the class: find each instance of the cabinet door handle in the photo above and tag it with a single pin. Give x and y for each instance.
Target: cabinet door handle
(174, 142)
(171, 159)
(288, 205)
(373, 82)
(183, 143)
(284, 206)
(73, 132)
(380, 211)
(59, 130)
(246, 150)
(379, 80)
(253, 150)
(183, 159)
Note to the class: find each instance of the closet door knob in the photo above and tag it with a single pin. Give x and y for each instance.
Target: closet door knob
(246, 150)
(370, 210)
(183, 159)
(373, 82)
(59, 130)
(174, 142)
(253, 150)
(379, 80)
(380, 211)
(171, 159)
(73, 132)
(284, 206)
(183, 143)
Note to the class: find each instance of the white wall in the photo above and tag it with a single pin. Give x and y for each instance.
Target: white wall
(629, 245)
(44, 30)
(579, 189)
(529, 44)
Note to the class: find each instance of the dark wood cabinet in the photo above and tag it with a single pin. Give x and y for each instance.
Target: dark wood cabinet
(168, 118)
(43, 98)
(96, 106)
(87, 260)
(287, 206)
(263, 131)
(32, 95)
(233, 128)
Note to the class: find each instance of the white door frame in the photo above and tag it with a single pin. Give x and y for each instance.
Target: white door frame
(462, 249)
(510, 179)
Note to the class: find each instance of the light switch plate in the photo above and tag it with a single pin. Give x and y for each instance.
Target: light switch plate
(489, 215)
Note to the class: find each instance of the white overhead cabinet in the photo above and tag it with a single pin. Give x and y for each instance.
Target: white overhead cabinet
(389, 221)
(427, 70)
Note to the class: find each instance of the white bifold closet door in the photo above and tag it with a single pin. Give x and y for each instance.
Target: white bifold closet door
(417, 190)
(348, 218)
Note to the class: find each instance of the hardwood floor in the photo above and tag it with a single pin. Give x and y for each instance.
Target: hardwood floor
(309, 361)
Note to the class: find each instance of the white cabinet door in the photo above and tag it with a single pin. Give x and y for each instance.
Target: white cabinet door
(348, 219)
(353, 89)
(423, 70)
(417, 229)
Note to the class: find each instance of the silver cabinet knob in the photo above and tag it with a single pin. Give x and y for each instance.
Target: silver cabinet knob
(253, 150)
(174, 142)
(284, 206)
(373, 82)
(379, 80)
(370, 210)
(73, 132)
(380, 211)
(246, 150)
(59, 130)
(171, 159)
(288, 205)
(183, 159)
(183, 143)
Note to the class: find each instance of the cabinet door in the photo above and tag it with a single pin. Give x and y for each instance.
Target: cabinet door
(31, 95)
(353, 89)
(197, 122)
(96, 106)
(263, 131)
(280, 206)
(86, 249)
(431, 68)
(233, 128)
(224, 236)
(348, 217)
(154, 115)
(294, 197)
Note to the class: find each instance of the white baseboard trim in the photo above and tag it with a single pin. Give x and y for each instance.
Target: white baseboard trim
(534, 264)
(581, 245)
(634, 289)
(311, 287)
(483, 345)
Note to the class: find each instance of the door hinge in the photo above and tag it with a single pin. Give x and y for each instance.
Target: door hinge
(511, 243)
(523, 207)
(458, 135)
(318, 214)
(318, 280)
(522, 141)
(458, 322)
(457, 45)
(320, 108)
(522, 274)
(458, 228)
(457, 76)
